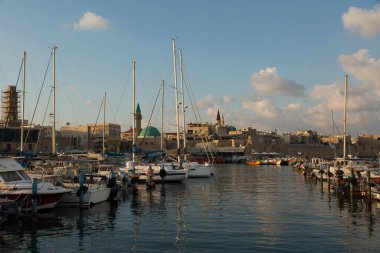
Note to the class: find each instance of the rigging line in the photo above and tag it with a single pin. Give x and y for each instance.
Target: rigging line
(194, 104)
(19, 73)
(43, 120)
(39, 96)
(150, 117)
(69, 94)
(96, 122)
(123, 92)
(334, 124)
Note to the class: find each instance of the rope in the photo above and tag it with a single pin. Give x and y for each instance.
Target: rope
(150, 117)
(43, 121)
(122, 94)
(38, 99)
(197, 115)
(96, 122)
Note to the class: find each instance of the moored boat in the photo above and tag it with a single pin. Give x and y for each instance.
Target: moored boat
(197, 170)
(15, 182)
(253, 162)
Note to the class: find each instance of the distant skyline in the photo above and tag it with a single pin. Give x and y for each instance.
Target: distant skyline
(263, 64)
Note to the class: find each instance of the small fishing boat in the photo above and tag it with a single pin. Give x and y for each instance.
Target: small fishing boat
(253, 162)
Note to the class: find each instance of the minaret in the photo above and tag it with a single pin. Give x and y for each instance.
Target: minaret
(218, 121)
(138, 118)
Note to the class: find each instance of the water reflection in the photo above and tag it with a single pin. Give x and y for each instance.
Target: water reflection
(240, 209)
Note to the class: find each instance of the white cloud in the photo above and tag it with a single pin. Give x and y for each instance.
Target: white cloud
(91, 22)
(293, 106)
(227, 99)
(267, 81)
(212, 101)
(88, 102)
(365, 22)
(262, 107)
(363, 67)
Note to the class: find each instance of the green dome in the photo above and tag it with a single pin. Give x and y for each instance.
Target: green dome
(150, 132)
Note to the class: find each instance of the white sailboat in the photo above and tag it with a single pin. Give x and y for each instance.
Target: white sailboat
(195, 169)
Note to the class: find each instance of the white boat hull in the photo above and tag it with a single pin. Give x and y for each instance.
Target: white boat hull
(197, 170)
(92, 197)
(173, 174)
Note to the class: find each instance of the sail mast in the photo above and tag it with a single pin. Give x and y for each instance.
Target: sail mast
(53, 145)
(345, 117)
(104, 125)
(23, 102)
(183, 104)
(134, 109)
(176, 99)
(162, 115)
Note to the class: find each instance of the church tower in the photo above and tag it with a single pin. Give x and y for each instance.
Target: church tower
(138, 118)
(218, 121)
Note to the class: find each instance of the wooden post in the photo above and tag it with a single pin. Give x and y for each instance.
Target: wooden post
(369, 185)
(81, 193)
(328, 177)
(34, 196)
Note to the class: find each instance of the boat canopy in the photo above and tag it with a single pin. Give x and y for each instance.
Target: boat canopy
(9, 164)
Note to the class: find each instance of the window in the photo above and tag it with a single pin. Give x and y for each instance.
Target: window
(24, 175)
(10, 176)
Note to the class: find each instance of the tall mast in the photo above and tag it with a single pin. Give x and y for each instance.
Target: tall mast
(162, 115)
(345, 117)
(183, 104)
(53, 147)
(23, 101)
(134, 109)
(104, 124)
(176, 98)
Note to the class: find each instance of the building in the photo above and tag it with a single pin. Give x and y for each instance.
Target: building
(149, 139)
(10, 107)
(77, 135)
(90, 137)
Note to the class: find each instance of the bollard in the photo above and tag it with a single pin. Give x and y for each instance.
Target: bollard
(81, 193)
(34, 196)
(369, 185)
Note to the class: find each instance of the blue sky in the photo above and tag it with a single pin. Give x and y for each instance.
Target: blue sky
(267, 64)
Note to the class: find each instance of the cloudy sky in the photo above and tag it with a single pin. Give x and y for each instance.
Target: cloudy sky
(266, 64)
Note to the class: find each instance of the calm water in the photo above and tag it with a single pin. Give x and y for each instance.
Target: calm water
(240, 209)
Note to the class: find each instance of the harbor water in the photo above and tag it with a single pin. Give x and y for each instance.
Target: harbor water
(240, 209)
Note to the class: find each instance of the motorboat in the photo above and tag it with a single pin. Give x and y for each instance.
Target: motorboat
(15, 182)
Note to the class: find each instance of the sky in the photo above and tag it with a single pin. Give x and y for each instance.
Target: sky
(270, 65)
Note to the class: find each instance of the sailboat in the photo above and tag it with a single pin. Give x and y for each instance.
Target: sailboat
(195, 169)
(348, 172)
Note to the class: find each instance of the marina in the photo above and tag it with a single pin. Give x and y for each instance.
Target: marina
(241, 208)
(241, 126)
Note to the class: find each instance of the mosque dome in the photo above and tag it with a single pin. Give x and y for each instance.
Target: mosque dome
(150, 131)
